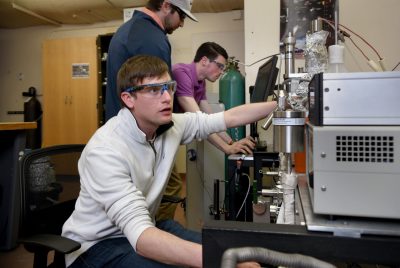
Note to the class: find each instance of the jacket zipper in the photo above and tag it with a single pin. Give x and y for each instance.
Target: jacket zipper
(155, 154)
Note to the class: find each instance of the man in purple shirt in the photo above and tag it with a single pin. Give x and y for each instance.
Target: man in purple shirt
(208, 64)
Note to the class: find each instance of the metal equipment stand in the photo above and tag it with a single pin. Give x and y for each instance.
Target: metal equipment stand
(331, 245)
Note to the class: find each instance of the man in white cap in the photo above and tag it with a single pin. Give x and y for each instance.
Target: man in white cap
(146, 33)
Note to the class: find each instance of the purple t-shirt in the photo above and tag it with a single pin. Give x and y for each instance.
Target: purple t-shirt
(187, 84)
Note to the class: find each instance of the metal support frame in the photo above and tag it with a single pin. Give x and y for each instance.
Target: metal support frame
(264, 159)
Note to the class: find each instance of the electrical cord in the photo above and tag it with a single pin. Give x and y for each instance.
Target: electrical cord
(348, 35)
(396, 66)
(359, 49)
(377, 53)
(342, 33)
(202, 179)
(228, 182)
(244, 200)
(248, 65)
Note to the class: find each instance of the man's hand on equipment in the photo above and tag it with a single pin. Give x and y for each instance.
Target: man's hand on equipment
(243, 146)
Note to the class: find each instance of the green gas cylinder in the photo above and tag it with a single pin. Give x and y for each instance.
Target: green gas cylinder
(232, 93)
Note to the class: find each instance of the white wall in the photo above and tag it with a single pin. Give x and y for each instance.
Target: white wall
(376, 21)
(261, 40)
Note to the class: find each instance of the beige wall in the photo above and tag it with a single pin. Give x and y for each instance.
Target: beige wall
(21, 61)
(21, 58)
(20, 52)
(376, 21)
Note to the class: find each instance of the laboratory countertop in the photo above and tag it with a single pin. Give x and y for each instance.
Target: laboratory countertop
(17, 125)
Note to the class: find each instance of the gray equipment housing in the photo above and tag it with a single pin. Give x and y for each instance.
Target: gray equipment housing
(354, 170)
(368, 98)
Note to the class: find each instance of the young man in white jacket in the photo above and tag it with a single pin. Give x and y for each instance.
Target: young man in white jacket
(125, 167)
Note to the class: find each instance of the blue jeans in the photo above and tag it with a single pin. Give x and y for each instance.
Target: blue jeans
(118, 252)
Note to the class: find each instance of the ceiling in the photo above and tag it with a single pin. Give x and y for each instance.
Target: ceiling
(26, 13)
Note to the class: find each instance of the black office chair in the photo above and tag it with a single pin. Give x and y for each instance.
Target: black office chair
(49, 187)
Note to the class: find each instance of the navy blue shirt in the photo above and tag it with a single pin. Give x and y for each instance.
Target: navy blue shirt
(139, 35)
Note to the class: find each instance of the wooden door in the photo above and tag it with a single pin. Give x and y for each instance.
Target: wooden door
(70, 85)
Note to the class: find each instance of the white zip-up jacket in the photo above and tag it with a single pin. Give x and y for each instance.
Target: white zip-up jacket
(123, 176)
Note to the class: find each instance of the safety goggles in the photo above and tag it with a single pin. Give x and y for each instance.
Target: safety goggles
(182, 15)
(219, 65)
(154, 90)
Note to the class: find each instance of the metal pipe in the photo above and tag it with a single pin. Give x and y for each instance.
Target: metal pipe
(268, 122)
(289, 162)
(271, 192)
(316, 25)
(290, 42)
(271, 173)
(336, 28)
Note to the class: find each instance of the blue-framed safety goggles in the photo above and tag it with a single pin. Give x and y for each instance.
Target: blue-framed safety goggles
(155, 90)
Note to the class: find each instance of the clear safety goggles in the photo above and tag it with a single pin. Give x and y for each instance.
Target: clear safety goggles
(154, 90)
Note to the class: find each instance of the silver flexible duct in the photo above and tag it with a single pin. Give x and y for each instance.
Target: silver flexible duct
(262, 255)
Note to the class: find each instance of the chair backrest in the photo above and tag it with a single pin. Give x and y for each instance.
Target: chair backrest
(49, 182)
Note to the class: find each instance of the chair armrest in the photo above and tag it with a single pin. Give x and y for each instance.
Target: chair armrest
(48, 242)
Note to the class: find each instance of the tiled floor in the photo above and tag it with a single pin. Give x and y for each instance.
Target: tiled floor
(17, 258)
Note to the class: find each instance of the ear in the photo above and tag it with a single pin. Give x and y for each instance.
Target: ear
(166, 6)
(128, 99)
(204, 60)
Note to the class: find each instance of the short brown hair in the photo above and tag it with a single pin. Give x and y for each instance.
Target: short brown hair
(210, 50)
(154, 5)
(137, 68)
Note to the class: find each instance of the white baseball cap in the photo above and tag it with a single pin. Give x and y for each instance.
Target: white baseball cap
(185, 6)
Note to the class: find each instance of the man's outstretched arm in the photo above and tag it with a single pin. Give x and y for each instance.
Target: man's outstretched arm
(248, 113)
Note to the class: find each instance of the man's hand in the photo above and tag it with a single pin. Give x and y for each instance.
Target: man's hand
(243, 146)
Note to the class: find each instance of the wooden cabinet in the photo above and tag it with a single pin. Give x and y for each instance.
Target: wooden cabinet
(70, 90)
